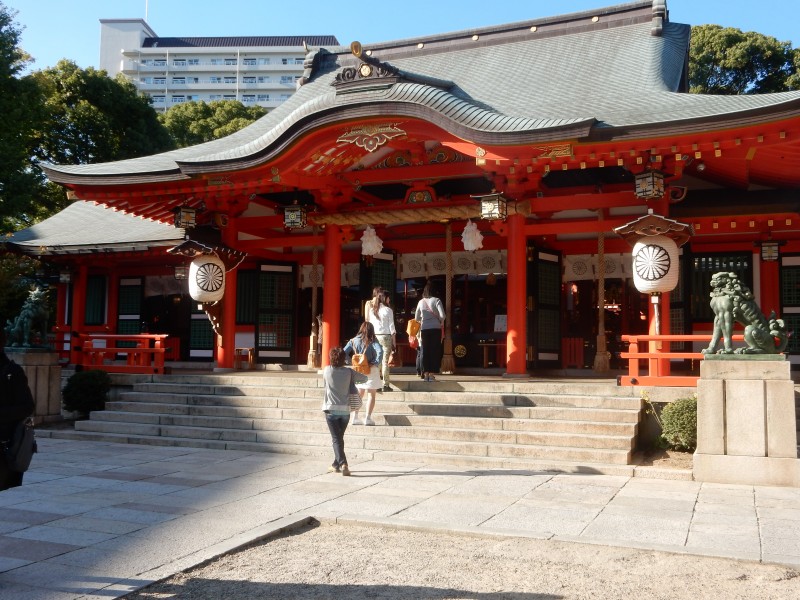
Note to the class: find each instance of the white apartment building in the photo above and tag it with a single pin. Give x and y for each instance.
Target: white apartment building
(256, 70)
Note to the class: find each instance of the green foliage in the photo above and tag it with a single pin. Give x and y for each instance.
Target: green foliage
(86, 391)
(16, 275)
(92, 118)
(679, 424)
(20, 117)
(191, 123)
(725, 60)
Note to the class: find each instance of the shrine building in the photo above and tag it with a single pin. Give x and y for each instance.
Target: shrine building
(551, 136)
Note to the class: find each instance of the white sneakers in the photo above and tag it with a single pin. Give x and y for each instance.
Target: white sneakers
(365, 421)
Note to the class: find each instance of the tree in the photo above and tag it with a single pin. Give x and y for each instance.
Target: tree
(92, 118)
(20, 115)
(192, 123)
(725, 60)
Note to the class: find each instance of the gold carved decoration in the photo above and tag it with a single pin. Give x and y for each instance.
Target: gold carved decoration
(552, 151)
(371, 137)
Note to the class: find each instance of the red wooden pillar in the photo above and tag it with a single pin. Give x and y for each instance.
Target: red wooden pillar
(113, 302)
(331, 292)
(516, 333)
(226, 342)
(60, 327)
(78, 306)
(770, 288)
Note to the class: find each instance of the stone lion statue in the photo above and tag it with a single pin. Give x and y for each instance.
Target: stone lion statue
(31, 323)
(732, 302)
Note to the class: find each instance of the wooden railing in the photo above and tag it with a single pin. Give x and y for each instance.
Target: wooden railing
(142, 353)
(655, 349)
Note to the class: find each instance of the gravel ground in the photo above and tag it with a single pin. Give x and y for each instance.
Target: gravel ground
(344, 561)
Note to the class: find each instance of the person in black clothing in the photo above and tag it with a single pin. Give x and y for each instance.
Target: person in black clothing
(16, 404)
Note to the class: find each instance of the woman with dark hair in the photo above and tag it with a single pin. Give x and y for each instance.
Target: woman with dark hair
(338, 379)
(374, 302)
(430, 314)
(365, 343)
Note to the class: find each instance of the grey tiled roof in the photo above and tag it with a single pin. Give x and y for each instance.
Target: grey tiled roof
(239, 41)
(512, 85)
(69, 231)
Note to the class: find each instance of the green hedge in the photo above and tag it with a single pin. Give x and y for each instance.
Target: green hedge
(86, 391)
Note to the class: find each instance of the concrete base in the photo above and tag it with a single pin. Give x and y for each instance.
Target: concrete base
(746, 424)
(747, 470)
(44, 378)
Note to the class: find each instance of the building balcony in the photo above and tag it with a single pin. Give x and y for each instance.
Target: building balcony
(215, 86)
(134, 66)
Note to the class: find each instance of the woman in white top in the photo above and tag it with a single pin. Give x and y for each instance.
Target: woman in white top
(382, 318)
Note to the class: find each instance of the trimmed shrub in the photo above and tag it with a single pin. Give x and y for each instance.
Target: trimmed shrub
(86, 391)
(679, 424)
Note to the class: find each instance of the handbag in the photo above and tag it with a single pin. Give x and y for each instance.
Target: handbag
(412, 328)
(19, 450)
(413, 342)
(353, 397)
(393, 359)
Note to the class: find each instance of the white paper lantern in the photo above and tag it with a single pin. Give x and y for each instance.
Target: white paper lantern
(655, 264)
(207, 278)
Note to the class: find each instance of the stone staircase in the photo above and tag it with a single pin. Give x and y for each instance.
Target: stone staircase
(477, 423)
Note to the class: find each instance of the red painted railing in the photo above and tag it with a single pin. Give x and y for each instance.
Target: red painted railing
(142, 353)
(655, 349)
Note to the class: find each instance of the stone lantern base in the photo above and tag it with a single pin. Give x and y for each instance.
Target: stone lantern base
(44, 378)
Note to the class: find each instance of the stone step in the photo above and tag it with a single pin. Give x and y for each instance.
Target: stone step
(143, 424)
(221, 439)
(392, 402)
(238, 385)
(310, 395)
(356, 455)
(536, 412)
(253, 407)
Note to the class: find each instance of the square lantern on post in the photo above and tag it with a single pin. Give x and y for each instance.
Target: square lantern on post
(494, 206)
(294, 216)
(185, 217)
(770, 251)
(181, 272)
(649, 185)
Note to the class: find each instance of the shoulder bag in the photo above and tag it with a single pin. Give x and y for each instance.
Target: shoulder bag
(412, 328)
(19, 450)
(353, 397)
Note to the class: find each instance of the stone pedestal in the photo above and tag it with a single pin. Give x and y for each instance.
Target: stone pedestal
(746, 422)
(44, 378)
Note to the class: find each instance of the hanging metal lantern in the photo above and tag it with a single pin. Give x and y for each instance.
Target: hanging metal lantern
(655, 264)
(207, 278)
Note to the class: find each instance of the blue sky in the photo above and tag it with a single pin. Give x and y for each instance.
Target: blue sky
(55, 29)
